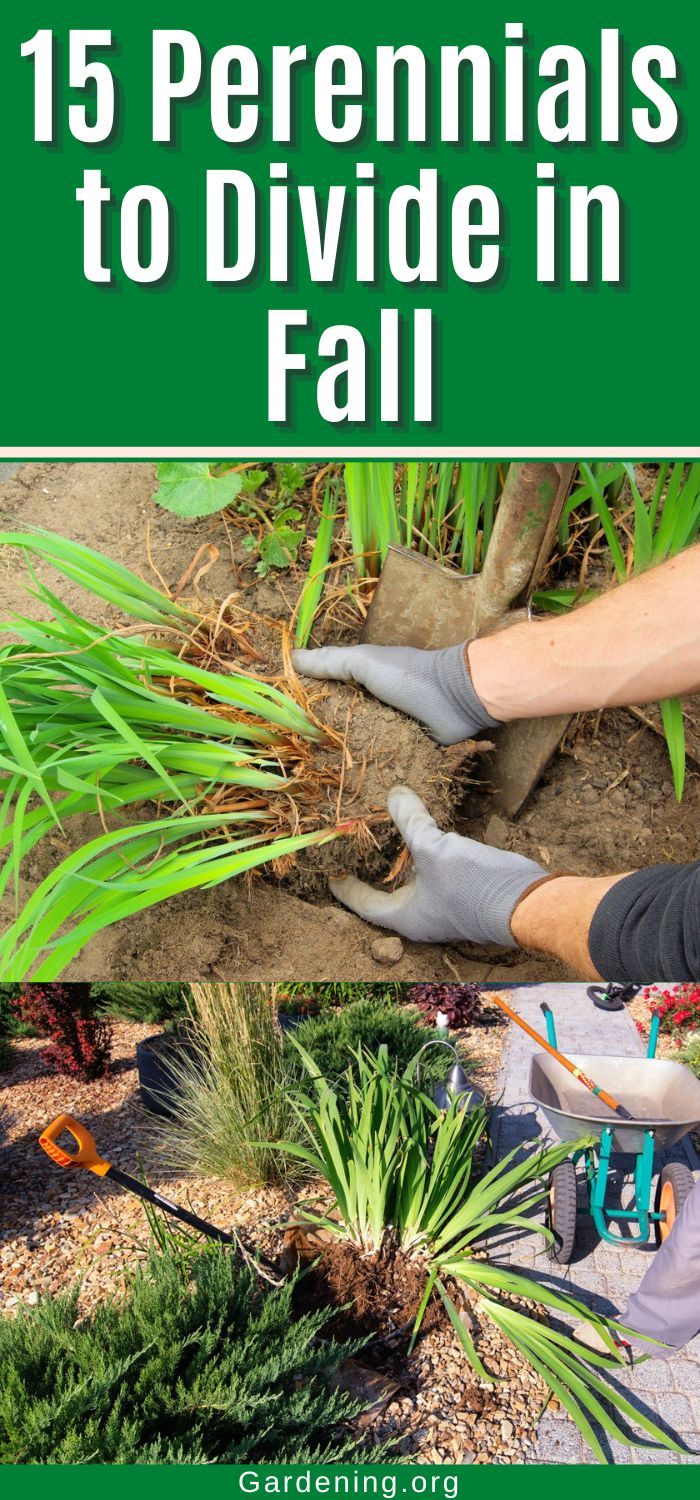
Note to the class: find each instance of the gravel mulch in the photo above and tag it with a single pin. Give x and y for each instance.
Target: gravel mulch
(445, 1414)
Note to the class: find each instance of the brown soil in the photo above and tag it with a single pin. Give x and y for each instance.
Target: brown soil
(604, 804)
(381, 749)
(431, 1401)
(376, 1295)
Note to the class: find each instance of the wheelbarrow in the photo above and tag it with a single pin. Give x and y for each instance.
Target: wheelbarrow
(663, 1100)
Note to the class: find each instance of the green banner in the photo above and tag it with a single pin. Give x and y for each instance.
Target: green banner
(341, 1481)
(265, 230)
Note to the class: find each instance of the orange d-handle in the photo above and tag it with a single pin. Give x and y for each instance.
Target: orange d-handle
(86, 1155)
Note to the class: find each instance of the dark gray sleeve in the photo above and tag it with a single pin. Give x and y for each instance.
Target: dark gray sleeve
(647, 927)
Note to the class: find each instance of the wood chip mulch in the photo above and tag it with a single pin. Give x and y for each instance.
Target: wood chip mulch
(62, 1226)
(59, 1225)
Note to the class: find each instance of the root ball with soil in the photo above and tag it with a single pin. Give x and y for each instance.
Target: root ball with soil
(343, 778)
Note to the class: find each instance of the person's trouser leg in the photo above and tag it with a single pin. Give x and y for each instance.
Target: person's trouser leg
(666, 1305)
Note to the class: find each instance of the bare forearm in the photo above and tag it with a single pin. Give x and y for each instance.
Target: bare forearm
(636, 644)
(555, 918)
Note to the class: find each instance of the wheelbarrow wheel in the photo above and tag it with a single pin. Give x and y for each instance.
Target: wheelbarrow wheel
(675, 1183)
(562, 1211)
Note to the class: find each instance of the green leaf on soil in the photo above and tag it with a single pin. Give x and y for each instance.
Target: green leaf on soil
(192, 489)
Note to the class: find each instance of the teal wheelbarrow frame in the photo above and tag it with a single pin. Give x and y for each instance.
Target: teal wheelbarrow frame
(662, 1096)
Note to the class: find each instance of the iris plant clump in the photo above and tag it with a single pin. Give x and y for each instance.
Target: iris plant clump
(113, 722)
(404, 1173)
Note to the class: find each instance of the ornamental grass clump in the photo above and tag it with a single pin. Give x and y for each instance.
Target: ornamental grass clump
(230, 1083)
(202, 1367)
(109, 722)
(403, 1174)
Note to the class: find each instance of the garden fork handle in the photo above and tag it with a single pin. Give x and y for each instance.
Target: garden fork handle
(149, 1195)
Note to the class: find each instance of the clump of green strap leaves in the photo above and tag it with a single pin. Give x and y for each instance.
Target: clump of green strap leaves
(88, 725)
(661, 526)
(403, 1171)
(197, 1364)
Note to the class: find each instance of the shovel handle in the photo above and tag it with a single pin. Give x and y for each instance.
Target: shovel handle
(607, 1099)
(528, 513)
(86, 1155)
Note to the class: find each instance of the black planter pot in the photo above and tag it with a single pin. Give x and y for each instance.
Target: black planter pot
(287, 1022)
(289, 1019)
(158, 1088)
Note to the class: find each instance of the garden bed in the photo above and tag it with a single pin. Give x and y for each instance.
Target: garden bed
(59, 1226)
(677, 1039)
(605, 803)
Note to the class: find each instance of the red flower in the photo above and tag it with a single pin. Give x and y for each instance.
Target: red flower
(677, 1006)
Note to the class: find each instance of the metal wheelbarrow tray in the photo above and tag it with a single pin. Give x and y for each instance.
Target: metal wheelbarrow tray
(663, 1098)
(661, 1095)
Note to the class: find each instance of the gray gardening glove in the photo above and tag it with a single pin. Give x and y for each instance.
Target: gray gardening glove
(458, 891)
(433, 686)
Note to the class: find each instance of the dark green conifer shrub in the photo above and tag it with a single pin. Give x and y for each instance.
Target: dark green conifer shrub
(198, 1364)
(330, 1038)
(147, 1002)
(305, 998)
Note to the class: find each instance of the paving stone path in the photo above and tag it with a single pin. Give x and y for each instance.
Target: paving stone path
(601, 1274)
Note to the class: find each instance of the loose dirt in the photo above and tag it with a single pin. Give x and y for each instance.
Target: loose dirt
(378, 748)
(375, 1294)
(604, 804)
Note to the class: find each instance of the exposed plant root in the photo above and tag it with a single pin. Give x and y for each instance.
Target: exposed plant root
(375, 1294)
(341, 780)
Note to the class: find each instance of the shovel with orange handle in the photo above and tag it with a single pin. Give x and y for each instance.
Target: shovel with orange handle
(605, 1098)
(88, 1156)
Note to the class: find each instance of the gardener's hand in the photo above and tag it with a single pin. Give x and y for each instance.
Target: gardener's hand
(458, 891)
(433, 686)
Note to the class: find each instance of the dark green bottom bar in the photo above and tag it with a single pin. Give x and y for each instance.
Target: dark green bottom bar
(387, 1481)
